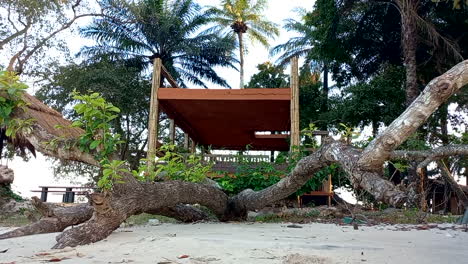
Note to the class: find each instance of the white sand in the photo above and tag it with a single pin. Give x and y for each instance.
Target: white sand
(251, 243)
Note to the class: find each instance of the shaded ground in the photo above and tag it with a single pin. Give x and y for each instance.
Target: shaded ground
(251, 243)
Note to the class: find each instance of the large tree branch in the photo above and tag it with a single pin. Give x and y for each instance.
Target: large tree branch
(54, 219)
(427, 156)
(435, 93)
(13, 36)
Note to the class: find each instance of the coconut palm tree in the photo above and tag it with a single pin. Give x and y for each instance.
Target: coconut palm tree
(303, 45)
(140, 31)
(241, 17)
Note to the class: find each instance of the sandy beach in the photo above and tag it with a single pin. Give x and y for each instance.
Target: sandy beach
(250, 243)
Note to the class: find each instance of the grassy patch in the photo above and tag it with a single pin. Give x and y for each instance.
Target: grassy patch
(295, 216)
(269, 218)
(142, 219)
(409, 216)
(21, 218)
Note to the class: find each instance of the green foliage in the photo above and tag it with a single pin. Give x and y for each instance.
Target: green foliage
(119, 84)
(348, 133)
(258, 176)
(111, 174)
(269, 76)
(143, 219)
(5, 191)
(245, 12)
(255, 176)
(173, 166)
(378, 101)
(11, 92)
(164, 29)
(310, 140)
(94, 116)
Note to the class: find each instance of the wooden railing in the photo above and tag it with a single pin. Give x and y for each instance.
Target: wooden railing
(223, 158)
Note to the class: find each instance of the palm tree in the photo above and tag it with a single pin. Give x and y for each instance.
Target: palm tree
(304, 45)
(244, 16)
(140, 31)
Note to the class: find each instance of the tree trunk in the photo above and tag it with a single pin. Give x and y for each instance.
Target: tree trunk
(435, 93)
(325, 89)
(409, 36)
(241, 57)
(447, 175)
(54, 219)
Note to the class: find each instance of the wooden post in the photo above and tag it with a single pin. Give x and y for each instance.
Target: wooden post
(171, 131)
(154, 112)
(44, 194)
(186, 141)
(295, 133)
(193, 146)
(329, 189)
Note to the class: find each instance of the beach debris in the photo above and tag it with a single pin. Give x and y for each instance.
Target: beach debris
(183, 256)
(301, 259)
(154, 222)
(4, 250)
(57, 259)
(294, 226)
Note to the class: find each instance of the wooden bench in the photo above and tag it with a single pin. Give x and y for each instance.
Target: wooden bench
(69, 192)
(325, 190)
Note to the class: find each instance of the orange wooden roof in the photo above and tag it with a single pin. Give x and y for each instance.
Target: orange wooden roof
(228, 119)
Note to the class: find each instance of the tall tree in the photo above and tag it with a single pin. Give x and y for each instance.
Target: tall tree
(244, 17)
(316, 41)
(170, 30)
(26, 30)
(268, 76)
(122, 86)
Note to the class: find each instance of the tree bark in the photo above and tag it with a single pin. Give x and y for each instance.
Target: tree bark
(241, 57)
(409, 37)
(54, 219)
(447, 175)
(435, 93)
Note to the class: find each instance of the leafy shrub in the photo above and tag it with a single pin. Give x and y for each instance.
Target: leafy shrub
(6, 191)
(258, 176)
(11, 98)
(173, 166)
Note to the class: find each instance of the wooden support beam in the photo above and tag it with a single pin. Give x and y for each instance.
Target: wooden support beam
(272, 136)
(295, 133)
(171, 131)
(168, 77)
(154, 112)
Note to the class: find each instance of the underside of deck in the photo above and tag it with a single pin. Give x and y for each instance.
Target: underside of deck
(229, 119)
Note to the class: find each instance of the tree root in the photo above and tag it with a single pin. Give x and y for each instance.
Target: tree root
(54, 219)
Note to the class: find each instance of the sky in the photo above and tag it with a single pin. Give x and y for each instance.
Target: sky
(37, 171)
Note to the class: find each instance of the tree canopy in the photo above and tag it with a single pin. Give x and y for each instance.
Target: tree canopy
(171, 30)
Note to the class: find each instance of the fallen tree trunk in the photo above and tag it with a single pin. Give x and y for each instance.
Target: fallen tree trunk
(363, 168)
(54, 219)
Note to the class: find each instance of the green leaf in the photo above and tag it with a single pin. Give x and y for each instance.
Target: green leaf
(94, 144)
(77, 124)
